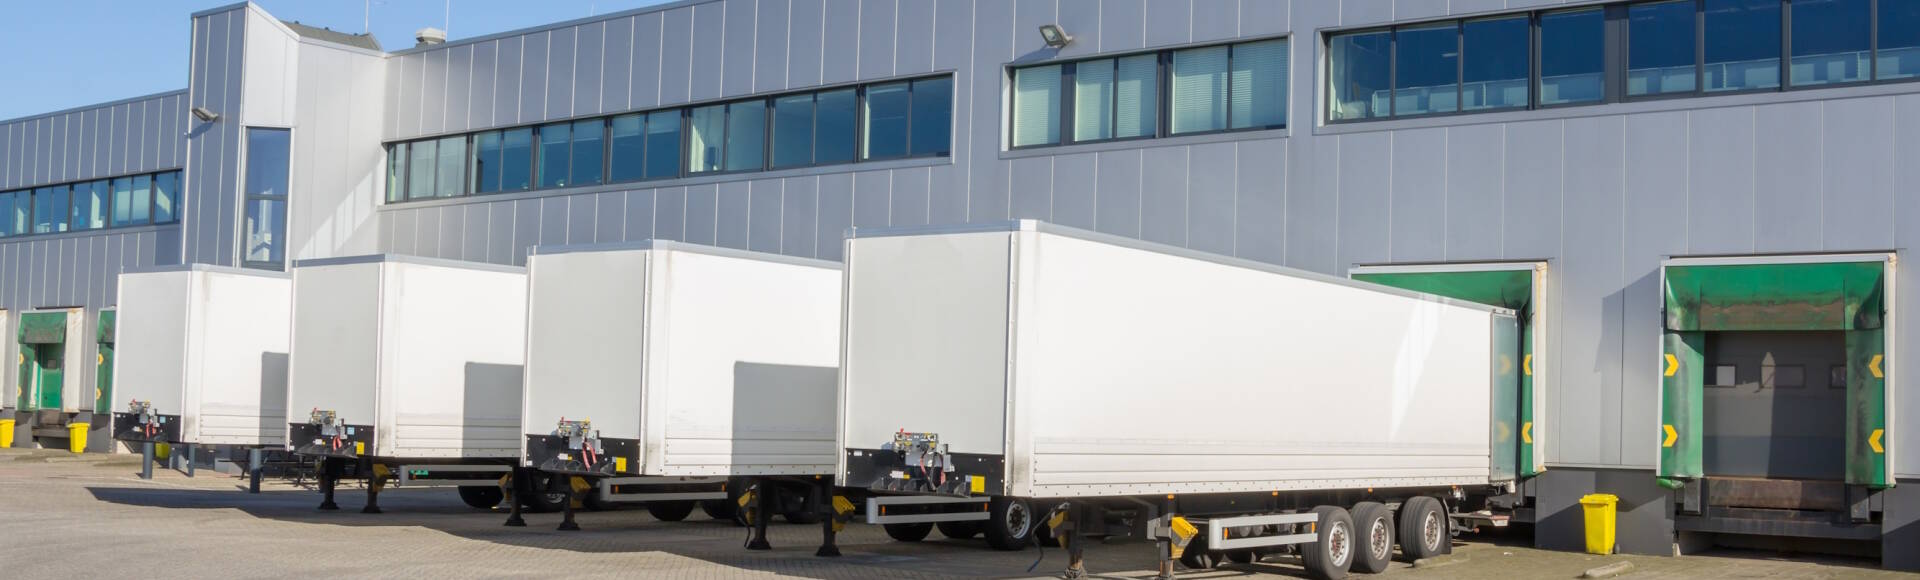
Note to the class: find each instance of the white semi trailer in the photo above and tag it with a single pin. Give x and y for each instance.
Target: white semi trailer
(202, 360)
(1084, 385)
(659, 370)
(408, 369)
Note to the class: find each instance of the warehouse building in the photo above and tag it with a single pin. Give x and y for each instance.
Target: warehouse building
(1707, 197)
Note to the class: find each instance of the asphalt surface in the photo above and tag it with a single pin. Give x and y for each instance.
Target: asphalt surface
(92, 516)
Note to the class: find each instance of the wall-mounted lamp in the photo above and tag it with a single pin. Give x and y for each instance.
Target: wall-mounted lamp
(1055, 37)
(205, 115)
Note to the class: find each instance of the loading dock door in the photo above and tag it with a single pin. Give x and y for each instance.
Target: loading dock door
(1724, 309)
(103, 365)
(1520, 286)
(43, 337)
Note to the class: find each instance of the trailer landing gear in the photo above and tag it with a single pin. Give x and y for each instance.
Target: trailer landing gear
(564, 487)
(515, 488)
(330, 471)
(761, 496)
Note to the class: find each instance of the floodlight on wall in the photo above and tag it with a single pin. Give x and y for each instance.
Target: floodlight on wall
(205, 115)
(1055, 36)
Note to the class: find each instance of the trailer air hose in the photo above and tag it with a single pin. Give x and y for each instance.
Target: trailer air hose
(1039, 545)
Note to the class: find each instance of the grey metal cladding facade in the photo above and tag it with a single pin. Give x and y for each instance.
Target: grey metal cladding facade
(1604, 192)
(213, 163)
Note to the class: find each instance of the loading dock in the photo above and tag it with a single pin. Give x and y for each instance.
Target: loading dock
(49, 375)
(1777, 389)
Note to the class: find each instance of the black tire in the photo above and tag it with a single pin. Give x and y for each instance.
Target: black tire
(1332, 551)
(1373, 530)
(480, 497)
(1043, 534)
(1010, 523)
(1423, 528)
(1242, 556)
(959, 530)
(718, 509)
(669, 511)
(908, 532)
(596, 500)
(542, 499)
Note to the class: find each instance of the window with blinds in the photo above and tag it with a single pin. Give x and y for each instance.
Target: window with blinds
(1224, 87)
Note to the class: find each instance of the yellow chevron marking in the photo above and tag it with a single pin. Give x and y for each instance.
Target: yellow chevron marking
(1673, 365)
(1527, 364)
(1526, 432)
(1672, 436)
(1874, 366)
(1874, 441)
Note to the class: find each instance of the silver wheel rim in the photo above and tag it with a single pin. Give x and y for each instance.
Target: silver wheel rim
(1017, 519)
(556, 498)
(1430, 531)
(1380, 542)
(1339, 543)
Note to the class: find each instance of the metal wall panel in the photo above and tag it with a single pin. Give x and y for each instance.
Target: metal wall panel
(1363, 236)
(1419, 181)
(800, 217)
(703, 214)
(909, 199)
(589, 70)
(806, 42)
(582, 222)
(763, 215)
(1260, 217)
(1163, 195)
(1122, 22)
(1591, 276)
(1117, 195)
(1906, 121)
(1169, 22)
(677, 56)
(433, 91)
(914, 37)
(485, 86)
(535, 65)
(834, 197)
(649, 51)
(1076, 186)
(737, 63)
(872, 199)
(507, 75)
(770, 57)
(562, 45)
(1858, 151)
(610, 213)
(840, 57)
(459, 89)
(1031, 188)
(1720, 182)
(1211, 201)
(1216, 20)
(616, 66)
(670, 214)
(709, 50)
(733, 214)
(1535, 176)
(640, 210)
(1786, 197)
(877, 35)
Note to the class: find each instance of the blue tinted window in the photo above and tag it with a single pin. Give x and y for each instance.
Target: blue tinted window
(6, 214)
(451, 169)
(746, 135)
(836, 117)
(1358, 84)
(49, 210)
(1427, 73)
(1572, 57)
(422, 158)
(516, 159)
(1660, 49)
(142, 211)
(663, 144)
(1899, 39)
(1743, 44)
(706, 139)
(1198, 92)
(397, 172)
(627, 146)
(932, 124)
(1832, 41)
(886, 118)
(264, 230)
(554, 143)
(1495, 63)
(793, 131)
(166, 196)
(486, 162)
(89, 207)
(587, 151)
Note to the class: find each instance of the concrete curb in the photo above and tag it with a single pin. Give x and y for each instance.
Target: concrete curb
(1609, 570)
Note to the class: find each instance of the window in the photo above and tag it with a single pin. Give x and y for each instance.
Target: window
(142, 211)
(166, 197)
(886, 117)
(1494, 63)
(904, 118)
(6, 215)
(1660, 48)
(587, 152)
(122, 201)
(1572, 57)
(516, 159)
(1257, 91)
(1832, 42)
(836, 126)
(92, 202)
(1427, 76)
(554, 146)
(1899, 48)
(1199, 93)
(451, 169)
(267, 179)
(1743, 44)
(49, 210)
(1116, 98)
(1036, 105)
(931, 126)
(746, 136)
(421, 169)
(663, 144)
(1360, 66)
(396, 173)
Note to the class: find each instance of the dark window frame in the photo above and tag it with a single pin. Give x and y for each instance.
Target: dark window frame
(285, 198)
(1163, 96)
(26, 194)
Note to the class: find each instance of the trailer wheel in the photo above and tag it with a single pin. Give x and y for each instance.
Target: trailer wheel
(541, 500)
(596, 500)
(669, 511)
(480, 497)
(718, 509)
(1423, 528)
(1331, 553)
(908, 532)
(796, 509)
(959, 530)
(1242, 556)
(1009, 523)
(1373, 527)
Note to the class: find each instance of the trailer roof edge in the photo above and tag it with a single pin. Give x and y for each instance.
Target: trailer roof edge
(409, 259)
(208, 268)
(652, 244)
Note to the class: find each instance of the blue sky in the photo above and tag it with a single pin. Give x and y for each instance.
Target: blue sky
(139, 47)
